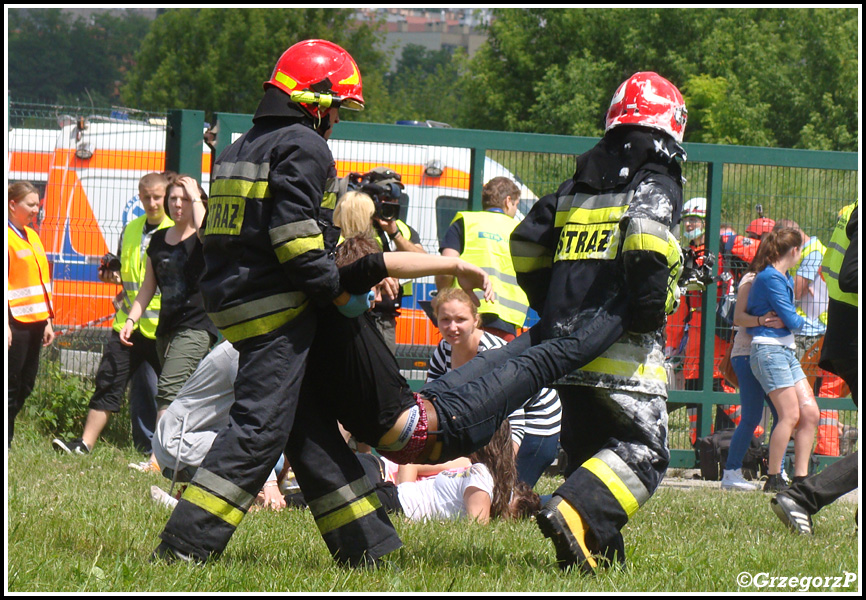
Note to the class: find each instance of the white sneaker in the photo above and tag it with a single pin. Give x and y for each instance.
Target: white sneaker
(733, 480)
(160, 496)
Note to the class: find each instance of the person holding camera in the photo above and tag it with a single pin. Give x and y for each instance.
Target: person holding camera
(120, 362)
(383, 185)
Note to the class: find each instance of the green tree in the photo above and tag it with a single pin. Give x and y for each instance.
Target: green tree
(56, 58)
(422, 86)
(776, 77)
(217, 59)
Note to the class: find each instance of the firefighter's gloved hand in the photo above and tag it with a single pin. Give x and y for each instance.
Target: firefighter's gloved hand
(357, 305)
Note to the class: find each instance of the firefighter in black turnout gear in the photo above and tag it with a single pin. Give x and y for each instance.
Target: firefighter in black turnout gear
(604, 232)
(268, 245)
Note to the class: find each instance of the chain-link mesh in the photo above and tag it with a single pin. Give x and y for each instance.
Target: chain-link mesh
(809, 197)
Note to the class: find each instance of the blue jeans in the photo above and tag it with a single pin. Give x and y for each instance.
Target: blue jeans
(775, 367)
(752, 407)
(535, 455)
(472, 401)
(142, 406)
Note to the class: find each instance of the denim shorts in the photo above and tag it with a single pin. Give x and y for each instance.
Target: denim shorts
(775, 366)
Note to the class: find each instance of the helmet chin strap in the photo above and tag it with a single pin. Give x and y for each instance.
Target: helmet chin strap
(322, 123)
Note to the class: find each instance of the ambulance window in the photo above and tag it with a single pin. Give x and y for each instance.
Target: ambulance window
(446, 208)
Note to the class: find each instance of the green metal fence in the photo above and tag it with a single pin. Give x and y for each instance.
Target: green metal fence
(806, 186)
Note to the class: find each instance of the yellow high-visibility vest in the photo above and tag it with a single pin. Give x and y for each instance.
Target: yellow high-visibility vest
(834, 255)
(133, 264)
(486, 244)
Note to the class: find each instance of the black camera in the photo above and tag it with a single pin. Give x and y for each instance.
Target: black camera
(386, 199)
(109, 262)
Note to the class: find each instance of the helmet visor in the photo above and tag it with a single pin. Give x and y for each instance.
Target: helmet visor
(351, 104)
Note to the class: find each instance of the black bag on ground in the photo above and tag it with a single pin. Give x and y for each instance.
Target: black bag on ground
(712, 454)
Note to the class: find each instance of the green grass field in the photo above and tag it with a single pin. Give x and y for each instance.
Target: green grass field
(87, 524)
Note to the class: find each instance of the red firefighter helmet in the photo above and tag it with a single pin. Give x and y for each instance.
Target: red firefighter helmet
(319, 75)
(649, 100)
(759, 227)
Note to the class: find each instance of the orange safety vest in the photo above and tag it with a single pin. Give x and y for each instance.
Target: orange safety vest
(29, 288)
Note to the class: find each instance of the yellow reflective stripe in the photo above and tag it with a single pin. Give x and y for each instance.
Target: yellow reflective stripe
(329, 200)
(214, 505)
(261, 325)
(613, 483)
(233, 493)
(594, 210)
(527, 265)
(353, 79)
(295, 248)
(290, 231)
(646, 242)
(257, 308)
(626, 475)
(285, 80)
(343, 495)
(624, 368)
(354, 511)
(238, 187)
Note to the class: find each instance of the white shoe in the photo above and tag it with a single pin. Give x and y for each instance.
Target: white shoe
(733, 480)
(160, 496)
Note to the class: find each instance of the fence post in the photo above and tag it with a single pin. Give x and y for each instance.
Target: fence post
(183, 142)
(476, 177)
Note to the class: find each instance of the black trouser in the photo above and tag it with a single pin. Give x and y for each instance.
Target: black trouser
(616, 442)
(472, 401)
(262, 423)
(22, 366)
(834, 481)
(119, 362)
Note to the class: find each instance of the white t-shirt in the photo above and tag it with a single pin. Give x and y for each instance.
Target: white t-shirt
(441, 497)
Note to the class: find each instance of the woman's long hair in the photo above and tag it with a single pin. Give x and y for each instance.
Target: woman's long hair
(498, 457)
(355, 248)
(773, 246)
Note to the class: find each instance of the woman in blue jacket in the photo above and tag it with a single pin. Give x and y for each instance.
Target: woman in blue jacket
(773, 358)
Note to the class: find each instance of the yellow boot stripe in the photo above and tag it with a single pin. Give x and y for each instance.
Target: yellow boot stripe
(354, 511)
(214, 505)
(613, 483)
(624, 472)
(575, 525)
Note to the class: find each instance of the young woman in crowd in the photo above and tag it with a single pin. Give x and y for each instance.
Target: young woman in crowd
(535, 427)
(751, 393)
(174, 265)
(28, 299)
(773, 355)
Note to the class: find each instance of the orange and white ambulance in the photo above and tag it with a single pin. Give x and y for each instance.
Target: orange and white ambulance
(90, 168)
